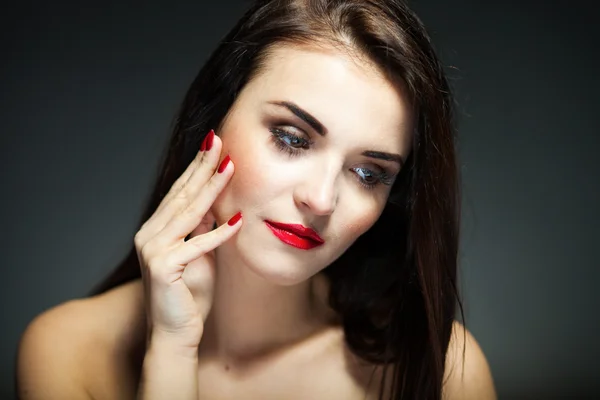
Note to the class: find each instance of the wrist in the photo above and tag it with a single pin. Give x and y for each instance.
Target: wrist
(170, 368)
(179, 345)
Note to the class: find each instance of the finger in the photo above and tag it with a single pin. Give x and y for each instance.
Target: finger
(155, 223)
(182, 196)
(188, 219)
(202, 160)
(206, 225)
(202, 244)
(182, 180)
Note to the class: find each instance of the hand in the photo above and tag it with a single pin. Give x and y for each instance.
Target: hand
(178, 275)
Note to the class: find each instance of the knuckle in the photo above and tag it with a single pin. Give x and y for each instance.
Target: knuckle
(146, 253)
(143, 228)
(189, 213)
(215, 183)
(203, 241)
(181, 191)
(138, 240)
(182, 196)
(203, 159)
(209, 186)
(167, 259)
(199, 242)
(175, 190)
(152, 264)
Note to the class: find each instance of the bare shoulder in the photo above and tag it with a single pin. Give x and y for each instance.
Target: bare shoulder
(467, 375)
(64, 346)
(48, 355)
(467, 372)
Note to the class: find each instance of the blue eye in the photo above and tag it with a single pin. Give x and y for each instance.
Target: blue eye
(293, 145)
(370, 178)
(289, 142)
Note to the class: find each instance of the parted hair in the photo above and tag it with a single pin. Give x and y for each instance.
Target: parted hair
(395, 289)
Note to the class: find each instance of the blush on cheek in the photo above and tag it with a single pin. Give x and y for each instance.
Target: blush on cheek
(359, 225)
(249, 177)
(249, 180)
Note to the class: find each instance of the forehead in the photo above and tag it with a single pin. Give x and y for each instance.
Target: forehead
(343, 93)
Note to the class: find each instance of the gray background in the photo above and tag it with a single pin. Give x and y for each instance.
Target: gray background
(88, 92)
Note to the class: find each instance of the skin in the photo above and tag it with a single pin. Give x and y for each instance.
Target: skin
(270, 334)
(259, 278)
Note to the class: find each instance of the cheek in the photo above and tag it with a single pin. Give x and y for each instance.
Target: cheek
(250, 175)
(250, 180)
(359, 220)
(358, 226)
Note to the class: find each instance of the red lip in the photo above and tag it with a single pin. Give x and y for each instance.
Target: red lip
(299, 230)
(292, 239)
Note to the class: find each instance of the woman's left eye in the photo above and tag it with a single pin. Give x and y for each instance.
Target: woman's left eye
(293, 145)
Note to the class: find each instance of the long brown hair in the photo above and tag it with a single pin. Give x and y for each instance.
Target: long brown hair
(395, 288)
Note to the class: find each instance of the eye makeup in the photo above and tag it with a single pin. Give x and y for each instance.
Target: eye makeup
(317, 126)
(293, 145)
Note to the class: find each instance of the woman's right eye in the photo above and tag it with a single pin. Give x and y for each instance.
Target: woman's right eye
(288, 142)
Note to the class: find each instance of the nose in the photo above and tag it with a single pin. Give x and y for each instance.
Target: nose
(318, 192)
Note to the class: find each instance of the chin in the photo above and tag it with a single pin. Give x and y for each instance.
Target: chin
(273, 263)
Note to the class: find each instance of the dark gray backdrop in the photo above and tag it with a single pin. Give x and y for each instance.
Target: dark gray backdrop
(88, 92)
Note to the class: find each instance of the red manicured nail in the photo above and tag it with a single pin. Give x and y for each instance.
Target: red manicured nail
(208, 141)
(223, 164)
(235, 219)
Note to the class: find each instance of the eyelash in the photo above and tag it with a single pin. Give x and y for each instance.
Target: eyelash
(278, 133)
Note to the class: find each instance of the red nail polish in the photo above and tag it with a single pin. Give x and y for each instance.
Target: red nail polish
(208, 141)
(235, 219)
(223, 164)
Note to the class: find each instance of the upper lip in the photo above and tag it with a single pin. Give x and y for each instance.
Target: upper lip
(299, 230)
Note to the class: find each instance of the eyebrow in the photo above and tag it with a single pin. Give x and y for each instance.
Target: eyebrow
(321, 130)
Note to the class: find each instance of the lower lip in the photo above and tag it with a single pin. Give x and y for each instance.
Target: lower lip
(293, 239)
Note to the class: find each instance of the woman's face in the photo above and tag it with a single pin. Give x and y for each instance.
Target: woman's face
(287, 171)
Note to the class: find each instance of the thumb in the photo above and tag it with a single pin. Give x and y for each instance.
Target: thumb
(199, 276)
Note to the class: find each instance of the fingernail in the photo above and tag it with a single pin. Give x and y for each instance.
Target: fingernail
(208, 141)
(232, 221)
(223, 164)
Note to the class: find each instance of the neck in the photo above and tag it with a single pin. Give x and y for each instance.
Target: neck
(251, 317)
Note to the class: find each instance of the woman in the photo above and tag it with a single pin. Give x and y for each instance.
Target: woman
(301, 240)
